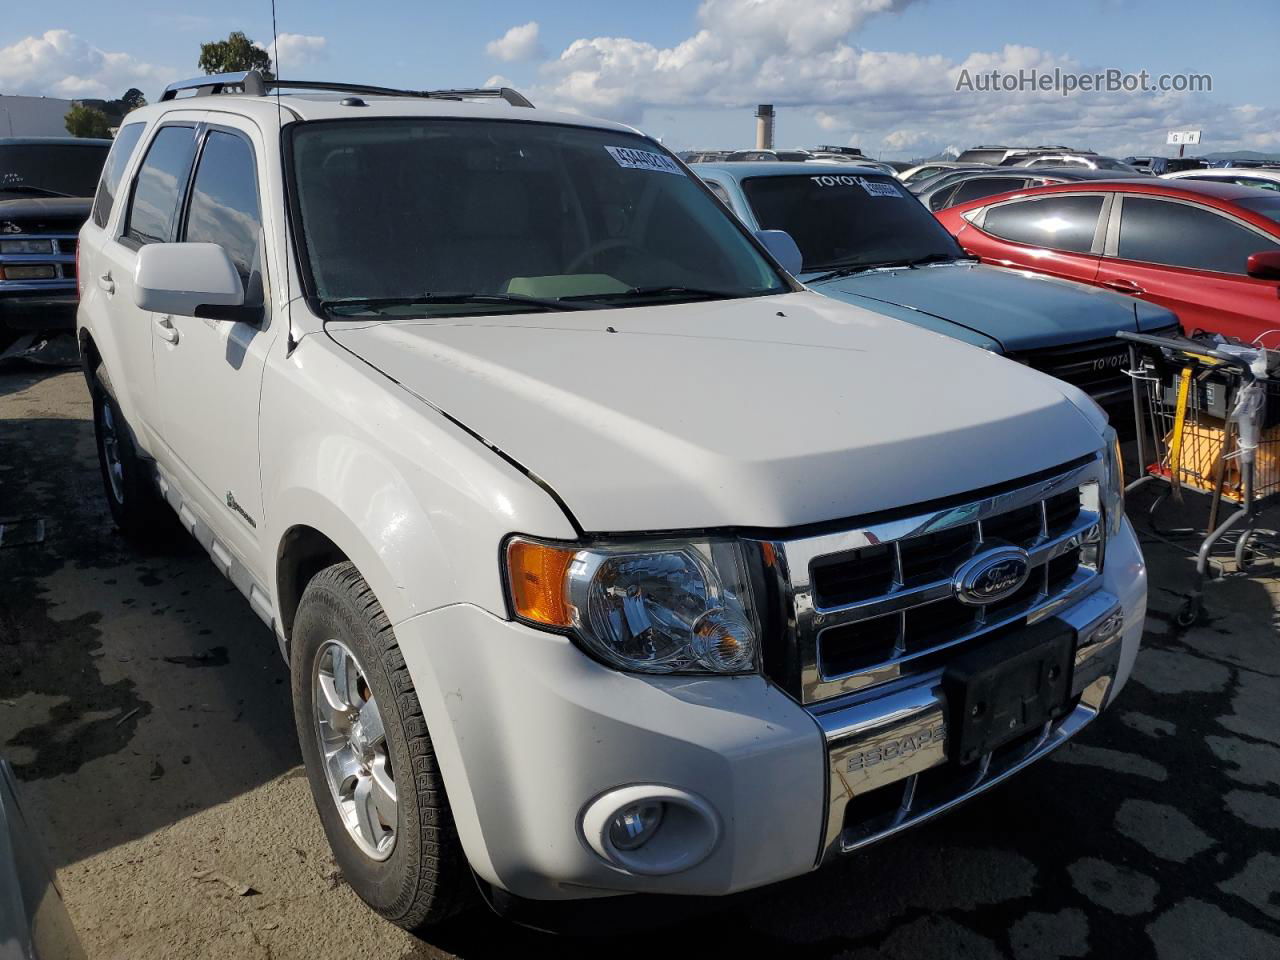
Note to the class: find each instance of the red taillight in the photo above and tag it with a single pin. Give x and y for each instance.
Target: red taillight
(79, 285)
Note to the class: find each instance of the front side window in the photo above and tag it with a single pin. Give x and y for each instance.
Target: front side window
(481, 216)
(1258, 183)
(126, 139)
(924, 173)
(161, 178)
(849, 220)
(1180, 235)
(224, 202)
(1059, 223)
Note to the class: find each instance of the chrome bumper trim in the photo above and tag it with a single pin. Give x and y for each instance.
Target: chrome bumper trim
(897, 737)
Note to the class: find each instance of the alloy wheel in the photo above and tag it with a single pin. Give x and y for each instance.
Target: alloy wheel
(353, 748)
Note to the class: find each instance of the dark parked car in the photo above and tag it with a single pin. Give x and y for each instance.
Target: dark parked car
(46, 192)
(1000, 154)
(976, 184)
(1158, 166)
(1210, 252)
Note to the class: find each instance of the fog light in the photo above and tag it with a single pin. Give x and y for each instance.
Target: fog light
(1109, 629)
(634, 826)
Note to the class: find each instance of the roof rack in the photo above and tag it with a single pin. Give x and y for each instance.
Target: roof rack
(252, 83)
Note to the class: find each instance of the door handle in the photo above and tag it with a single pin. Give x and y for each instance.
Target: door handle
(1123, 285)
(106, 283)
(165, 329)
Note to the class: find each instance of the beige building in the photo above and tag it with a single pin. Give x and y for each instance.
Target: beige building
(33, 116)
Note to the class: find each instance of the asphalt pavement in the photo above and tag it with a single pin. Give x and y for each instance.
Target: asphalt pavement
(145, 710)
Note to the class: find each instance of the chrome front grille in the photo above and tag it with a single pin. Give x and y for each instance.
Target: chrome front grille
(868, 606)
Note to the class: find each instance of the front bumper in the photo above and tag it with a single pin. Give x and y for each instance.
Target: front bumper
(888, 757)
(529, 732)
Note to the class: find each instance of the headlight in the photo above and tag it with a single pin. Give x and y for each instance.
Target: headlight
(658, 607)
(1113, 483)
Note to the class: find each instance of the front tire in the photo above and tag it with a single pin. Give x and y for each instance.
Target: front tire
(368, 756)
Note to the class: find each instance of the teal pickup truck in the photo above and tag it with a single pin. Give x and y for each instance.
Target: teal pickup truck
(864, 239)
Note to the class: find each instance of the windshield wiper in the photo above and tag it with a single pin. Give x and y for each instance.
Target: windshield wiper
(849, 269)
(31, 188)
(696, 293)
(429, 299)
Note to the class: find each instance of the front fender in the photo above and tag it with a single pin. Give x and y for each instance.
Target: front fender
(419, 505)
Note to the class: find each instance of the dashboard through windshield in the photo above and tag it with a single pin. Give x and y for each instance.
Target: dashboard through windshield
(847, 220)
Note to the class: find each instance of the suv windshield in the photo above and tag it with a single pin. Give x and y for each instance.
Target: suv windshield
(425, 216)
(845, 220)
(51, 169)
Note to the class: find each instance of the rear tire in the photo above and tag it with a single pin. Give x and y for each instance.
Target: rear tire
(135, 503)
(360, 725)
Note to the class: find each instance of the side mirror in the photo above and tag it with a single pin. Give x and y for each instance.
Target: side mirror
(188, 280)
(783, 248)
(1265, 265)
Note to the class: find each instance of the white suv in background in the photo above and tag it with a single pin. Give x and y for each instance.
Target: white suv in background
(606, 558)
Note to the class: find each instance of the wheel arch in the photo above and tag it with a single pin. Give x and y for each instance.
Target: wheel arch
(303, 552)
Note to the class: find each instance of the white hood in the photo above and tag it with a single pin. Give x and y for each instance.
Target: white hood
(768, 412)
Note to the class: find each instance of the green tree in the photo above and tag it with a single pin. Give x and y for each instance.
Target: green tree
(85, 121)
(234, 54)
(133, 99)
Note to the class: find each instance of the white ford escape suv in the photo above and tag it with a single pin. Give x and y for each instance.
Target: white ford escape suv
(606, 558)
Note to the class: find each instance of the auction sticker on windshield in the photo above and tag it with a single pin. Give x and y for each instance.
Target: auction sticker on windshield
(844, 180)
(644, 160)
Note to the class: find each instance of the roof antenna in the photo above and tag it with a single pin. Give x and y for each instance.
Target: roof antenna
(288, 296)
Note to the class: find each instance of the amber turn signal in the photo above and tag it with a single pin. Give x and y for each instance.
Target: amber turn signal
(537, 573)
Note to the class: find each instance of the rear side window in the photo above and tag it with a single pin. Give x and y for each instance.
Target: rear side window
(117, 160)
(1059, 223)
(1179, 235)
(159, 184)
(224, 201)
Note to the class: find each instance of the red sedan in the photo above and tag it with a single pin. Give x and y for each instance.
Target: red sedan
(1208, 251)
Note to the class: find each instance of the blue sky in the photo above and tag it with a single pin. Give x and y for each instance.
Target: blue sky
(878, 73)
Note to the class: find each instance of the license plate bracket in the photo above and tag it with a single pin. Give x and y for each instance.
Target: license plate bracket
(1007, 688)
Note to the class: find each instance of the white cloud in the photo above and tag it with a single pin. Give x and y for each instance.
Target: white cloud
(518, 43)
(828, 121)
(62, 64)
(798, 54)
(296, 50)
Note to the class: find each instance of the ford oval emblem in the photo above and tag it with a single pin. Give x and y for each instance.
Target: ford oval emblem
(992, 576)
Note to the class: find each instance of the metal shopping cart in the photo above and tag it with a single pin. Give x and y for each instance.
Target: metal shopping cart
(1207, 418)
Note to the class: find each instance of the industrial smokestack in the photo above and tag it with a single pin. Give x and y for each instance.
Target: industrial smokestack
(764, 126)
